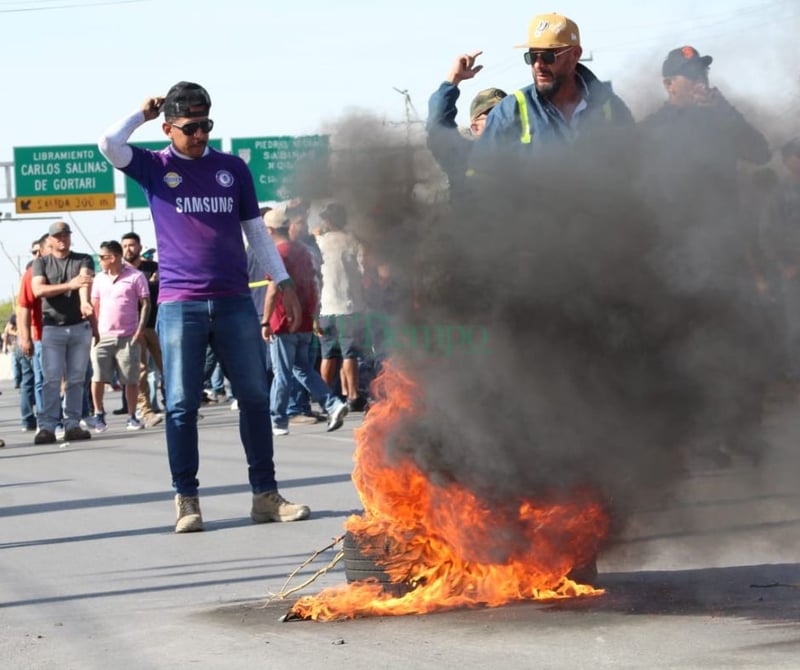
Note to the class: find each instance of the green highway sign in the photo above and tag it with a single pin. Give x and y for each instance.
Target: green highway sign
(62, 178)
(273, 161)
(134, 195)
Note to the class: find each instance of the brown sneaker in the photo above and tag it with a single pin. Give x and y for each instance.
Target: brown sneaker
(189, 518)
(153, 419)
(272, 506)
(76, 433)
(44, 436)
(303, 420)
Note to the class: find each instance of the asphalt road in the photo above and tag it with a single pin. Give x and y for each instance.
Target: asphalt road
(92, 576)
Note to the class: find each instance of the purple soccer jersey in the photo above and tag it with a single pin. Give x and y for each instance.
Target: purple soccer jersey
(197, 206)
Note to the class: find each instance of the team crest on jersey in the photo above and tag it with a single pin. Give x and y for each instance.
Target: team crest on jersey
(172, 179)
(224, 178)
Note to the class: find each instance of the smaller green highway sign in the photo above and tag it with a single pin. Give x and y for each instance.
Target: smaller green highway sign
(273, 160)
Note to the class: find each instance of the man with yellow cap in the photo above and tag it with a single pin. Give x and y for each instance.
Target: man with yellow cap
(565, 99)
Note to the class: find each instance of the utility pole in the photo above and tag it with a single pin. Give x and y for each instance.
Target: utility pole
(132, 219)
(11, 260)
(408, 156)
(408, 107)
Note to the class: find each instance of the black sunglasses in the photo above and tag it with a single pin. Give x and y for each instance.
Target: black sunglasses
(547, 57)
(189, 129)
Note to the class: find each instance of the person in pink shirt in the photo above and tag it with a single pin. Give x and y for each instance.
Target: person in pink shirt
(121, 302)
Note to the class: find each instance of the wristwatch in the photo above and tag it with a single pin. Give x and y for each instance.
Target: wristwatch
(286, 283)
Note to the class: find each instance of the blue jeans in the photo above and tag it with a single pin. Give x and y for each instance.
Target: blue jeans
(299, 399)
(38, 375)
(16, 365)
(27, 395)
(230, 326)
(213, 377)
(65, 353)
(291, 360)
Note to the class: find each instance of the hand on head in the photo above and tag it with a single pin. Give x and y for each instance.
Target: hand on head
(152, 107)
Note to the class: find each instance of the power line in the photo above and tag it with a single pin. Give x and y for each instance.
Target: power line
(72, 6)
(692, 32)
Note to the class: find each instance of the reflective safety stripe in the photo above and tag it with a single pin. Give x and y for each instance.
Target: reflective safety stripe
(256, 284)
(525, 127)
(607, 110)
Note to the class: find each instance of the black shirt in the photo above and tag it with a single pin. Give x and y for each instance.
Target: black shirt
(63, 309)
(150, 270)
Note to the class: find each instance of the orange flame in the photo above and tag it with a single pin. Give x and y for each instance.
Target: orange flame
(450, 547)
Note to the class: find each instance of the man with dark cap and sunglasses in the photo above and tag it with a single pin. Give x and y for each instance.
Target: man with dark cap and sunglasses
(690, 150)
(698, 119)
(565, 99)
(201, 200)
(448, 145)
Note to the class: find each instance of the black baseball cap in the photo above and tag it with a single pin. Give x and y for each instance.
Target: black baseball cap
(182, 97)
(685, 61)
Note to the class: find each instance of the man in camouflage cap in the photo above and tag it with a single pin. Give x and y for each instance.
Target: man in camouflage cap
(450, 148)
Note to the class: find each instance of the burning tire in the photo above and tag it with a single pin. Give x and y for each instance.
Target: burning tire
(584, 574)
(360, 565)
(363, 564)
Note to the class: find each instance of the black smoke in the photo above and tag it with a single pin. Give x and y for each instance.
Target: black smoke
(562, 333)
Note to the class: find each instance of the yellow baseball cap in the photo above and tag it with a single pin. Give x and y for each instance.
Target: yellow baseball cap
(551, 31)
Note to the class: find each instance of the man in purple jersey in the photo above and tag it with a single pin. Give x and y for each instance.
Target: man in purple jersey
(201, 200)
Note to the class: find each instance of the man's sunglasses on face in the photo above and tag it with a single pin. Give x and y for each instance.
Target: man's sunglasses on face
(189, 129)
(547, 57)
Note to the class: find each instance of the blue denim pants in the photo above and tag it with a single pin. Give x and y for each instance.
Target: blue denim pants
(65, 353)
(230, 325)
(38, 375)
(299, 398)
(27, 395)
(291, 360)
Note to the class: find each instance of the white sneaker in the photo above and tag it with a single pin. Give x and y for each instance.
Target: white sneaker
(280, 431)
(234, 405)
(336, 418)
(133, 424)
(96, 422)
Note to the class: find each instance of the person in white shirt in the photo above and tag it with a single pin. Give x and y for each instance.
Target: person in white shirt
(342, 303)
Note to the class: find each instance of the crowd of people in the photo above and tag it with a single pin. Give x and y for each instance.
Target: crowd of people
(281, 316)
(78, 329)
(726, 232)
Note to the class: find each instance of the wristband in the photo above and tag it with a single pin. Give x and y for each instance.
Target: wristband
(265, 324)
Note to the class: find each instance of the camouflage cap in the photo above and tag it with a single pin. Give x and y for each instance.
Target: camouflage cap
(484, 101)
